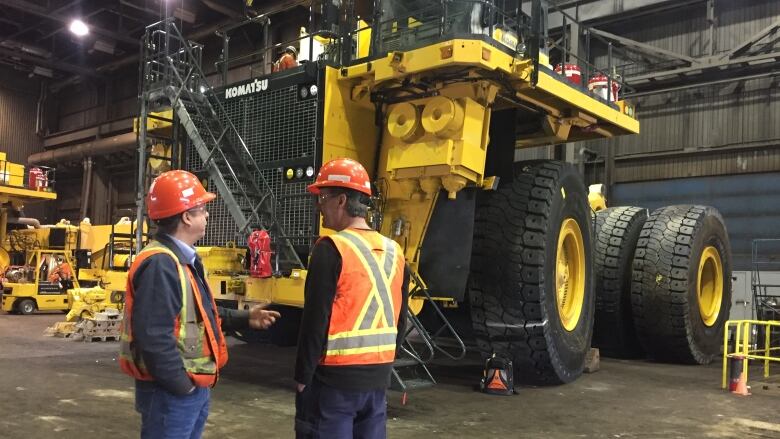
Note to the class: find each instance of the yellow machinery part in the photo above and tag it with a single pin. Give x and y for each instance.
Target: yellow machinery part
(224, 270)
(350, 128)
(570, 274)
(449, 151)
(18, 291)
(18, 196)
(568, 105)
(596, 197)
(160, 122)
(403, 122)
(157, 164)
(109, 279)
(29, 239)
(709, 286)
(95, 237)
(230, 287)
(5, 260)
(222, 259)
(11, 174)
(363, 39)
(443, 117)
(85, 303)
(281, 290)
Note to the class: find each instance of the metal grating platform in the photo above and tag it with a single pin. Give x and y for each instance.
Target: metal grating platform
(280, 132)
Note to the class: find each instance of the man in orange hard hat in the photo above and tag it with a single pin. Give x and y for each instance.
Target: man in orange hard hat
(353, 316)
(172, 342)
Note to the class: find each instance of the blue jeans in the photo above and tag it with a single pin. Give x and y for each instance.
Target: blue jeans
(324, 412)
(168, 416)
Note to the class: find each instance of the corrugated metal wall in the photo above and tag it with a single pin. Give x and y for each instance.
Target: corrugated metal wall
(750, 204)
(18, 103)
(730, 128)
(717, 145)
(685, 30)
(722, 115)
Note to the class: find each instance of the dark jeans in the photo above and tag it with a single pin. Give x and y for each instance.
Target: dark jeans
(168, 416)
(324, 412)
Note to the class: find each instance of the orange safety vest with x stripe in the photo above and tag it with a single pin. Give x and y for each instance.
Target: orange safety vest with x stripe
(363, 322)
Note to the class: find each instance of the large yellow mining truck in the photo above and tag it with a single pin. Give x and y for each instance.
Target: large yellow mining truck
(435, 98)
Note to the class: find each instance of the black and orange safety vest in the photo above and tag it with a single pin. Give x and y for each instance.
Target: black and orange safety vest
(368, 299)
(202, 351)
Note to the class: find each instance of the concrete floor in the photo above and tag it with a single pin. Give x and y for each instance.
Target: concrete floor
(53, 387)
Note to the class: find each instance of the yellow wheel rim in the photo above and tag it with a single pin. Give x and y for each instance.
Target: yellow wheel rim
(710, 285)
(570, 274)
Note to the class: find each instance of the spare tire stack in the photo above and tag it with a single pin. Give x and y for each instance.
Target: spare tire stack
(672, 300)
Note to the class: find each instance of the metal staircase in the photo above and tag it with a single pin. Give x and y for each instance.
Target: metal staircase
(410, 370)
(172, 77)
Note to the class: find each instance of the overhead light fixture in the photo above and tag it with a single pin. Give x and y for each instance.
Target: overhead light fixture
(42, 71)
(79, 28)
(104, 46)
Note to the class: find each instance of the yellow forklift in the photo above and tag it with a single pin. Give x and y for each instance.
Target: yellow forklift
(25, 287)
(42, 283)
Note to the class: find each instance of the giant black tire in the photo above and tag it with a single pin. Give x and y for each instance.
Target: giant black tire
(516, 310)
(681, 285)
(617, 232)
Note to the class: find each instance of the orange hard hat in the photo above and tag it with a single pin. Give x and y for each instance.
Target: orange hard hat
(344, 172)
(175, 192)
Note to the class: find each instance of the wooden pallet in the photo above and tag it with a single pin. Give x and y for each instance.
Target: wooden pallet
(101, 338)
(104, 328)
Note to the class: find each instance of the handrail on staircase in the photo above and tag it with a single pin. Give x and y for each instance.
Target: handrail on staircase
(192, 83)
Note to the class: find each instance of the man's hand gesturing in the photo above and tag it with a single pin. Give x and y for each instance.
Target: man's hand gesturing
(261, 318)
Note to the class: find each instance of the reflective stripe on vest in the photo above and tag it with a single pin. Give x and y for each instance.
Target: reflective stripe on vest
(201, 352)
(371, 338)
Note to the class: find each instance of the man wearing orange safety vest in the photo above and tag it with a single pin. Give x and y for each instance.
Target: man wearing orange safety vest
(353, 316)
(172, 342)
(288, 60)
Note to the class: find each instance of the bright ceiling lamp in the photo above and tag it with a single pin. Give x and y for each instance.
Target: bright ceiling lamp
(79, 28)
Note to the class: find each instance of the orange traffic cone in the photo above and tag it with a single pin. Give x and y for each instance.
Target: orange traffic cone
(742, 388)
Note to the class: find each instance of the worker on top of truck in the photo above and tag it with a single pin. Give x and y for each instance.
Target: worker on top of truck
(353, 315)
(172, 342)
(288, 60)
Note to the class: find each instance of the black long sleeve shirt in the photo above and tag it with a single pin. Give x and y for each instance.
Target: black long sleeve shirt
(156, 304)
(320, 291)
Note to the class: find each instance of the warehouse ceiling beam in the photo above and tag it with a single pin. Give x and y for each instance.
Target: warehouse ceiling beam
(220, 7)
(65, 27)
(51, 63)
(608, 11)
(129, 4)
(644, 47)
(38, 25)
(773, 75)
(40, 11)
(268, 8)
(747, 44)
(687, 72)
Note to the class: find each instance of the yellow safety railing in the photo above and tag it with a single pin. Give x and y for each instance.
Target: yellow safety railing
(743, 345)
